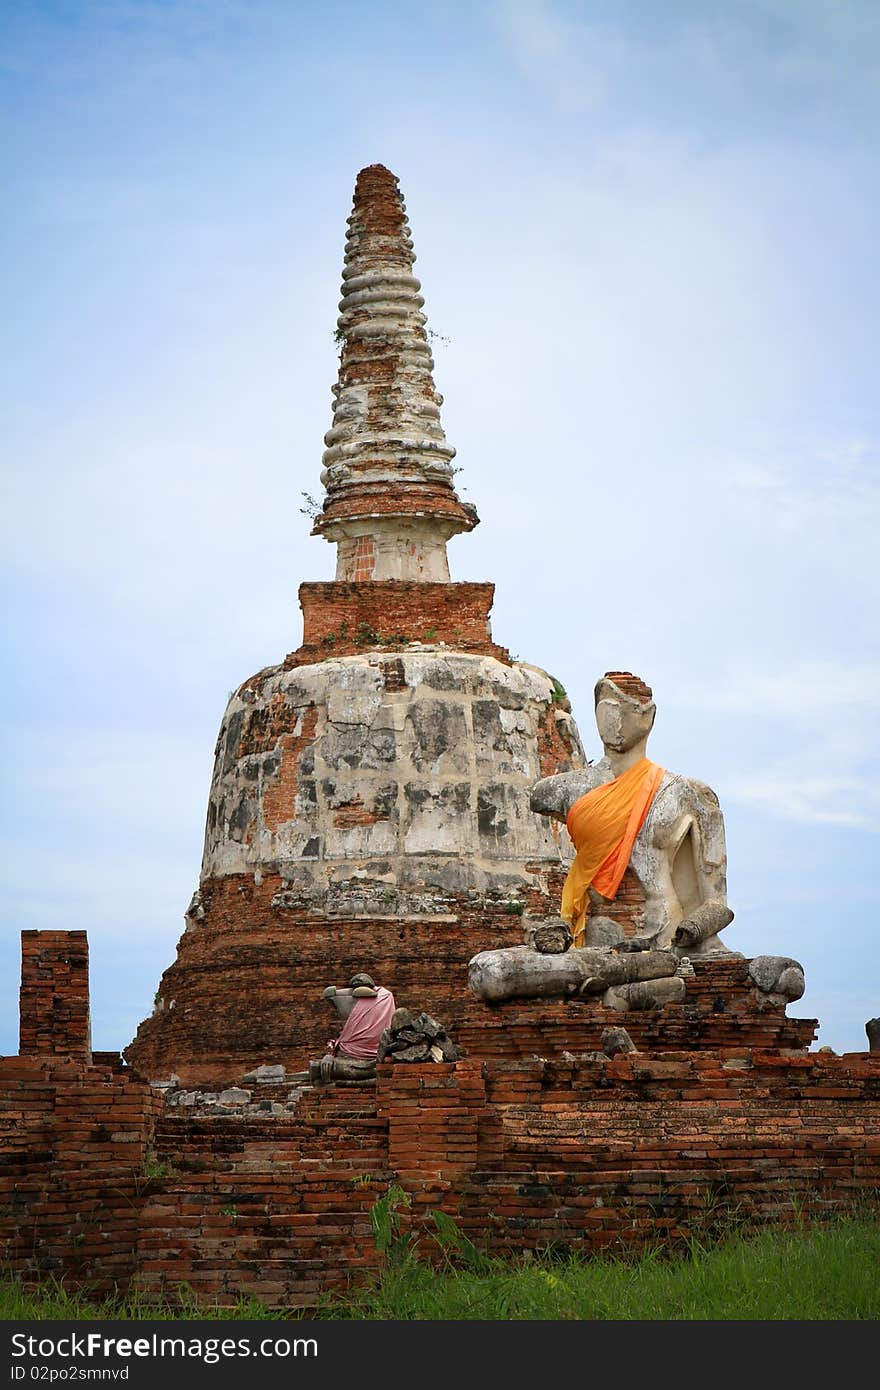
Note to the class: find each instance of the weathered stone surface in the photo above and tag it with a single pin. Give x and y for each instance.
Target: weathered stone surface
(387, 779)
(552, 938)
(417, 1038)
(872, 1028)
(324, 1070)
(615, 1040)
(519, 972)
(234, 1095)
(645, 994)
(266, 1074)
(778, 975)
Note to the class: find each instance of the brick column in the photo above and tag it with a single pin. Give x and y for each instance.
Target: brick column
(54, 999)
(433, 1116)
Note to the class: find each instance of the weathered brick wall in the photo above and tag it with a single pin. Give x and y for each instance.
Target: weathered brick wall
(623, 1153)
(277, 1209)
(580, 1155)
(386, 787)
(54, 998)
(103, 1184)
(722, 1010)
(73, 1152)
(74, 1128)
(345, 619)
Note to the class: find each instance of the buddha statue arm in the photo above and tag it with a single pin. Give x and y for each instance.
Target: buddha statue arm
(343, 1000)
(555, 796)
(698, 862)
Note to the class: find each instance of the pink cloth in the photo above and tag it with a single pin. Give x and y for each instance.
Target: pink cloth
(364, 1027)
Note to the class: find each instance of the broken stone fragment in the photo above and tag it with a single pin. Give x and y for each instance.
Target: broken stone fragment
(267, 1073)
(872, 1028)
(324, 1070)
(552, 938)
(195, 913)
(645, 994)
(778, 975)
(234, 1095)
(416, 1038)
(417, 1053)
(707, 921)
(401, 1018)
(616, 1040)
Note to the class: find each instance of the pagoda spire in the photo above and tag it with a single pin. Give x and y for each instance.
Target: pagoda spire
(390, 505)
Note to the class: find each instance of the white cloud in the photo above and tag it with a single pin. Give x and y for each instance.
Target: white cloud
(807, 485)
(808, 797)
(762, 50)
(802, 740)
(808, 692)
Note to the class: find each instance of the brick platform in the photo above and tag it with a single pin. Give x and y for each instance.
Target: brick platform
(581, 1157)
(246, 990)
(105, 1184)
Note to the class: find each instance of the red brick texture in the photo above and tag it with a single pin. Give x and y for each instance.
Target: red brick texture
(54, 998)
(346, 619)
(73, 1149)
(578, 1156)
(400, 499)
(246, 983)
(630, 685)
(583, 1156)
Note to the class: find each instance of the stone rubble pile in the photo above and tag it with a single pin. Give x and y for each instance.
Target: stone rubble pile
(552, 937)
(272, 1090)
(417, 1038)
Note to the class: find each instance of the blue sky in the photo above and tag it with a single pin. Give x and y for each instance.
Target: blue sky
(648, 234)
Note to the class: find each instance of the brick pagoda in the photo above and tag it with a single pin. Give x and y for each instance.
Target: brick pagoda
(369, 808)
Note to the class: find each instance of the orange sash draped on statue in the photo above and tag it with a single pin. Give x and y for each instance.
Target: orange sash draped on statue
(603, 826)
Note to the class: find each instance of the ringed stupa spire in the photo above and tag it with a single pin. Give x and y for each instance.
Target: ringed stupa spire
(390, 504)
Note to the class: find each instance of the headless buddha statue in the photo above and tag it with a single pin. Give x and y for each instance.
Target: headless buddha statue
(626, 812)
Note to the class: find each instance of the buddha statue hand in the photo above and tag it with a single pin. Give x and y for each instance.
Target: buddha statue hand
(635, 943)
(709, 919)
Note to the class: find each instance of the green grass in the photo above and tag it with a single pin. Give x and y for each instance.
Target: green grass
(52, 1298)
(827, 1272)
(822, 1272)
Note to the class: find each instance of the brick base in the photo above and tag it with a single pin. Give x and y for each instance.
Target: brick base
(721, 1113)
(346, 619)
(580, 1157)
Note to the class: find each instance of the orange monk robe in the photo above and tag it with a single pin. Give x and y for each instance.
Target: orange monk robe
(603, 826)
